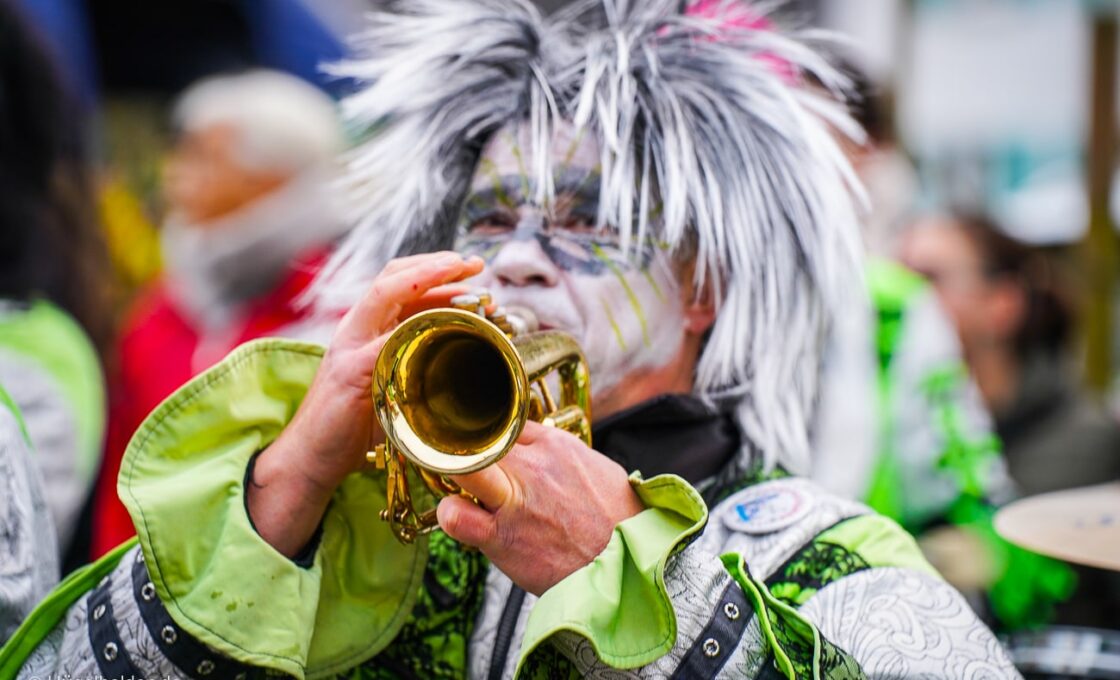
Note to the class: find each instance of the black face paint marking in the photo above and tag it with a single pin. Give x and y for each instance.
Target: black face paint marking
(568, 232)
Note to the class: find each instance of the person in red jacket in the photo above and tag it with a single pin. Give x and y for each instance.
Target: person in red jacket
(249, 220)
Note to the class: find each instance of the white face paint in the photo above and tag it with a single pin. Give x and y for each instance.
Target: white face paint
(625, 312)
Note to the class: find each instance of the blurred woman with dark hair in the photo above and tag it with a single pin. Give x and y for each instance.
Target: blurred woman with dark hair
(53, 281)
(1015, 325)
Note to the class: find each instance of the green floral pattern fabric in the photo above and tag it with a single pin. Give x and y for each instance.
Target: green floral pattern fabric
(433, 641)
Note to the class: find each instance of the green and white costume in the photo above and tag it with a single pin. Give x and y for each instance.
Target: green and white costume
(933, 457)
(930, 441)
(52, 371)
(779, 579)
(706, 153)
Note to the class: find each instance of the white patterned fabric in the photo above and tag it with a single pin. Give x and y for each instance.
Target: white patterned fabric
(28, 549)
(68, 651)
(896, 623)
(691, 579)
(899, 623)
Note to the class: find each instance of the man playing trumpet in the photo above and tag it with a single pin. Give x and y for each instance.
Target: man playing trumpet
(652, 182)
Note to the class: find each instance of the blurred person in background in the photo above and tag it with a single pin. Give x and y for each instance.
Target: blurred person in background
(1015, 324)
(249, 220)
(54, 312)
(926, 454)
(928, 440)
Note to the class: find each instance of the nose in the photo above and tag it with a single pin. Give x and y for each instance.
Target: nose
(523, 262)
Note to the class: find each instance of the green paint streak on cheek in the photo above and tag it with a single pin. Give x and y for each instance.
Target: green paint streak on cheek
(634, 304)
(614, 324)
(653, 284)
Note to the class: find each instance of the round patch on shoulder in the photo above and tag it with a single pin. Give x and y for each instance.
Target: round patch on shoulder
(767, 508)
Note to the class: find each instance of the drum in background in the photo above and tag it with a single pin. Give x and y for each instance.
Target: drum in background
(1081, 526)
(1066, 652)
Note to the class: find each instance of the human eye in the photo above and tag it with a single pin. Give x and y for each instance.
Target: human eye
(578, 223)
(491, 223)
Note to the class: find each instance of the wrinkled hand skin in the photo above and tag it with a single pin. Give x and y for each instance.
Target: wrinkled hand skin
(335, 425)
(548, 508)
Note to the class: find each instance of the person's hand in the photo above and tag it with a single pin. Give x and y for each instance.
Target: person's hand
(548, 508)
(335, 425)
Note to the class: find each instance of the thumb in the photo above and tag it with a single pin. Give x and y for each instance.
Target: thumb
(466, 522)
(491, 485)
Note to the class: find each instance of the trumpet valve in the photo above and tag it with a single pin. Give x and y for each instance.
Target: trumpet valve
(468, 302)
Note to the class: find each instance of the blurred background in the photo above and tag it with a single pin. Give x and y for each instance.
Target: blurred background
(992, 345)
(1004, 107)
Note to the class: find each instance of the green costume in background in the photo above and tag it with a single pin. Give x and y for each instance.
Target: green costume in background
(53, 373)
(966, 475)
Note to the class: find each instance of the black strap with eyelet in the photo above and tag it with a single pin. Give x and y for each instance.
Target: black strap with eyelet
(187, 653)
(719, 638)
(112, 659)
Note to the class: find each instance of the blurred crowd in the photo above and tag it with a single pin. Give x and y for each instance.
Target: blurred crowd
(954, 391)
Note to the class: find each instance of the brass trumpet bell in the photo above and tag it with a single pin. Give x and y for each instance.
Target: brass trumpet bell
(453, 389)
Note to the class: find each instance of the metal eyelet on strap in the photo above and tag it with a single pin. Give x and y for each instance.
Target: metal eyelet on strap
(169, 635)
(98, 612)
(148, 591)
(110, 651)
(731, 610)
(205, 667)
(711, 648)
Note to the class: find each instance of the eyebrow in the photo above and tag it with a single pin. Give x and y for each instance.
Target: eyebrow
(582, 186)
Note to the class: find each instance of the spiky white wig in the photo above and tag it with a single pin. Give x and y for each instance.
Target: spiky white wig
(690, 113)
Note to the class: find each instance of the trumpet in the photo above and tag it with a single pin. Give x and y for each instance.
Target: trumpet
(453, 388)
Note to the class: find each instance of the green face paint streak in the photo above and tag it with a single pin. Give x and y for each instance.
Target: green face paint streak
(590, 177)
(614, 324)
(634, 304)
(653, 285)
(572, 148)
(487, 166)
(515, 149)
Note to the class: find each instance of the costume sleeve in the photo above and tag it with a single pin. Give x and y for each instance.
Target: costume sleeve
(656, 604)
(114, 627)
(699, 615)
(202, 577)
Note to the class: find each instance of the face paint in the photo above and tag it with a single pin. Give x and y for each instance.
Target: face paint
(623, 308)
(502, 209)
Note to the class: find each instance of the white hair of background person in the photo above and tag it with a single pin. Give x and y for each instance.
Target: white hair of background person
(282, 122)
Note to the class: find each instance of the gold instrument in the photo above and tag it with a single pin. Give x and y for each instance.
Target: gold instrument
(453, 388)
